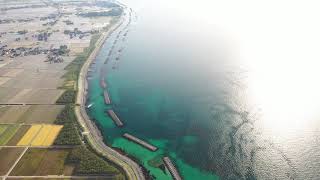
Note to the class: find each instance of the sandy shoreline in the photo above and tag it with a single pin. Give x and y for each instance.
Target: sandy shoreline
(89, 130)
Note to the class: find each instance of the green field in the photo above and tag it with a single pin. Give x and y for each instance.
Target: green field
(30, 162)
(9, 132)
(3, 128)
(42, 162)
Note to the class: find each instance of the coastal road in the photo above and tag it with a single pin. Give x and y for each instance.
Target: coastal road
(131, 168)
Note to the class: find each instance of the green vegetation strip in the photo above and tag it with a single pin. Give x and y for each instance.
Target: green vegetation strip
(69, 134)
(73, 69)
(89, 163)
(8, 133)
(69, 96)
(86, 161)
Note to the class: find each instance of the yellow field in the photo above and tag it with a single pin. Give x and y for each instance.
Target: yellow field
(40, 135)
(28, 137)
(52, 135)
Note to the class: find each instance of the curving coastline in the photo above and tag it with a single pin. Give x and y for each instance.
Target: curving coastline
(90, 132)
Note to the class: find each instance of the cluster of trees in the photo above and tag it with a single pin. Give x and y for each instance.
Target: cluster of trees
(67, 97)
(112, 12)
(69, 134)
(85, 161)
(63, 50)
(88, 162)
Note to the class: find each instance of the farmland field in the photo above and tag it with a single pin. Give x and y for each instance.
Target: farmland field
(3, 109)
(11, 114)
(53, 163)
(28, 137)
(42, 114)
(7, 93)
(3, 80)
(19, 134)
(8, 157)
(30, 114)
(40, 135)
(21, 96)
(28, 95)
(44, 96)
(8, 133)
(68, 170)
(30, 162)
(3, 128)
(33, 76)
(41, 162)
(52, 135)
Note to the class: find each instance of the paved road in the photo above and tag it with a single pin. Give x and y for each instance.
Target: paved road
(132, 169)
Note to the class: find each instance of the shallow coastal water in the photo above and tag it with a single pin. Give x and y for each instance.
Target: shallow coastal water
(201, 82)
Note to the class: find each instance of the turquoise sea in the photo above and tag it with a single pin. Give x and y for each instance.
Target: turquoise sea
(176, 79)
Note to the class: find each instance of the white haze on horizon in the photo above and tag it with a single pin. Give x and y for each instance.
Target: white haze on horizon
(277, 42)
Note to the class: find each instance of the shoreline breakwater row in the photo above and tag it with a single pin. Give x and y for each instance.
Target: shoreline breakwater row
(114, 56)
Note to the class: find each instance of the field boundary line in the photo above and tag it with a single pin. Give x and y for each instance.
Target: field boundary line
(15, 163)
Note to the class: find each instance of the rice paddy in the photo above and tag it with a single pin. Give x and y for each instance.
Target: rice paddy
(28, 137)
(30, 114)
(40, 135)
(38, 161)
(19, 134)
(8, 133)
(52, 135)
(8, 157)
(3, 128)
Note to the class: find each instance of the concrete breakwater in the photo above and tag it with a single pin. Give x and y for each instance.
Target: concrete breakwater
(140, 142)
(131, 168)
(115, 118)
(172, 169)
(103, 84)
(106, 97)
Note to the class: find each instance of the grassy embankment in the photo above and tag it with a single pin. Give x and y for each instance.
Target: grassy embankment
(86, 161)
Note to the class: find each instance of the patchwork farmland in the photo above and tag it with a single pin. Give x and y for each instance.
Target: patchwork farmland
(28, 135)
(39, 135)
